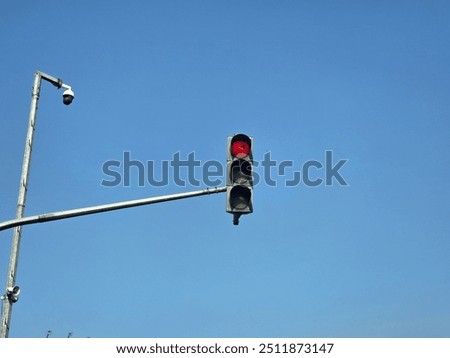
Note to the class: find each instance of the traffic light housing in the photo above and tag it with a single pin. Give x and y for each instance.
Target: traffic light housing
(239, 176)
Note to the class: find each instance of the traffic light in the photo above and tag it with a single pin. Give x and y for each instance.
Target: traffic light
(239, 176)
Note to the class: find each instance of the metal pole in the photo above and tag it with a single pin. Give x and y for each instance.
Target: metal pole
(20, 220)
(60, 215)
(14, 257)
(23, 187)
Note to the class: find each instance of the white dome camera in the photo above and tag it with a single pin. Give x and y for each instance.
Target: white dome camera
(68, 96)
(12, 293)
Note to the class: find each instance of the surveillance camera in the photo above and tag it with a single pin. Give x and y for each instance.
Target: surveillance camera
(68, 96)
(13, 290)
(12, 293)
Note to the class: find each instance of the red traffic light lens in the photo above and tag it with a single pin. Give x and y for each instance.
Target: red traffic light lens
(240, 149)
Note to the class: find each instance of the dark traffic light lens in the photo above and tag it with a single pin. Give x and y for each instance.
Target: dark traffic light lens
(240, 149)
(240, 197)
(241, 172)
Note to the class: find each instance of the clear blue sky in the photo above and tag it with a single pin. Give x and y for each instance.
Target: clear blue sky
(368, 80)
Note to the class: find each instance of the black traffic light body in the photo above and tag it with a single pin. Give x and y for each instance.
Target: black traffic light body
(239, 175)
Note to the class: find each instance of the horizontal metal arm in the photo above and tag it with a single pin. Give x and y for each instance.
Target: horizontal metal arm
(60, 215)
(57, 82)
